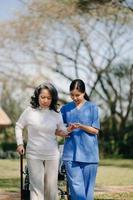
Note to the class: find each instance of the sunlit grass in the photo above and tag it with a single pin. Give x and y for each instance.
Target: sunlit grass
(115, 172)
(111, 172)
(114, 176)
(117, 162)
(9, 175)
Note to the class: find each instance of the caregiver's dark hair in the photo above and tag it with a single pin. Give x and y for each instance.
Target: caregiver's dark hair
(79, 85)
(54, 94)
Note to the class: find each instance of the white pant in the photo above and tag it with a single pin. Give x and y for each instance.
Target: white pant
(43, 179)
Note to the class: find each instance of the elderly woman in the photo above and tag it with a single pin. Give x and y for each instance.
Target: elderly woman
(42, 121)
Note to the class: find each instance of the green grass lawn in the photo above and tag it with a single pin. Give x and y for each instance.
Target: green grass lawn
(9, 175)
(111, 172)
(115, 172)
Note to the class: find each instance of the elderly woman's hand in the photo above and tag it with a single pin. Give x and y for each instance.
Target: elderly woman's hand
(61, 133)
(20, 149)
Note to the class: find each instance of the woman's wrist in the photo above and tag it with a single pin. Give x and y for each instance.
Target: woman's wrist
(78, 125)
(19, 145)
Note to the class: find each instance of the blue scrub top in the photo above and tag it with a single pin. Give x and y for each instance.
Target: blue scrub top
(81, 146)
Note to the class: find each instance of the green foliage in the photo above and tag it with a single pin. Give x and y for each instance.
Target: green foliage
(116, 139)
(119, 148)
(60, 140)
(126, 146)
(8, 146)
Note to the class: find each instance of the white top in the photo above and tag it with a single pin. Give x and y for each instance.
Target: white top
(41, 125)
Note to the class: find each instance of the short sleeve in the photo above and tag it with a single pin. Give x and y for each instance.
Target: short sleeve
(63, 114)
(96, 121)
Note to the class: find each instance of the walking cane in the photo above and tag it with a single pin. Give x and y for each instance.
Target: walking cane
(21, 175)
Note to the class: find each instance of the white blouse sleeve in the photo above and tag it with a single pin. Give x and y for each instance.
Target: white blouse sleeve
(60, 125)
(20, 124)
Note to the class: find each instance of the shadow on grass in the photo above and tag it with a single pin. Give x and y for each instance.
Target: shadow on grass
(10, 183)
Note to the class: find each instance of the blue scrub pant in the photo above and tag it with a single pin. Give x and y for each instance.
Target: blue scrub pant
(81, 179)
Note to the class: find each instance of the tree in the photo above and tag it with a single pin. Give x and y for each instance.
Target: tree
(57, 37)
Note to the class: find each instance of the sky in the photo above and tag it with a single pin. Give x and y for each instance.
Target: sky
(8, 8)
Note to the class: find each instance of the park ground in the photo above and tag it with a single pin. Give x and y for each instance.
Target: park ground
(114, 180)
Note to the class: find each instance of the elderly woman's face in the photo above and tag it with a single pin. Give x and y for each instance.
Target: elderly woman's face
(45, 98)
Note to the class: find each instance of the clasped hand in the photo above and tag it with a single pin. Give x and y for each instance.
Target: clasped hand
(75, 125)
(70, 128)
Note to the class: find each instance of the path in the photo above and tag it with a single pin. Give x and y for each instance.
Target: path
(113, 189)
(9, 196)
(98, 190)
